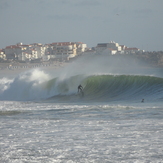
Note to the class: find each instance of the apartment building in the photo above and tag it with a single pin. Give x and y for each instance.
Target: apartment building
(23, 52)
(2, 55)
(131, 50)
(65, 50)
(17, 51)
(114, 48)
(39, 49)
(108, 48)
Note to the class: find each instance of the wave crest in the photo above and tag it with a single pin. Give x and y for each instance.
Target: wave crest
(36, 85)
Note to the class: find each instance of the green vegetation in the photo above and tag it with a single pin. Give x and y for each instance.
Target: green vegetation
(151, 58)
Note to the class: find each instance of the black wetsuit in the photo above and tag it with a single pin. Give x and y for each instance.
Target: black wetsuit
(80, 88)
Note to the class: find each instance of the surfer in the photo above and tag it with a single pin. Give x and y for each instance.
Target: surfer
(142, 100)
(80, 88)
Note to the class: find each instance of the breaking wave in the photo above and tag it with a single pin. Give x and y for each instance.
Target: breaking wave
(38, 85)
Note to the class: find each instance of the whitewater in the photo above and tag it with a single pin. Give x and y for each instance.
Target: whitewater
(43, 118)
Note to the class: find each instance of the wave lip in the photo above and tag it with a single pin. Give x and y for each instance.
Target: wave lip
(104, 87)
(123, 87)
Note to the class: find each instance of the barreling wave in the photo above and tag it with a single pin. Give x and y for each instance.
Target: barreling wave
(123, 87)
(37, 85)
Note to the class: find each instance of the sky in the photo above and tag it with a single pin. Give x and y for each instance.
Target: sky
(134, 23)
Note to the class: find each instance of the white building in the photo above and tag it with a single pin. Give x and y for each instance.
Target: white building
(114, 48)
(2, 54)
(39, 48)
(81, 48)
(58, 50)
(24, 56)
(108, 48)
(131, 50)
(66, 50)
(25, 52)
(109, 51)
(45, 58)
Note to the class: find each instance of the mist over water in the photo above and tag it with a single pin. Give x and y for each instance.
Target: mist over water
(37, 84)
(101, 64)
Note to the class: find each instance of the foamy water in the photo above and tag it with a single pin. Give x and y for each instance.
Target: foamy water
(48, 132)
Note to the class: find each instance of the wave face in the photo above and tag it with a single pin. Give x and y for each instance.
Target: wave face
(123, 87)
(37, 85)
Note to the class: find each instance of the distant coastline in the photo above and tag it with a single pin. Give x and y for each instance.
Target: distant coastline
(34, 55)
(17, 65)
(154, 59)
(13, 69)
(147, 59)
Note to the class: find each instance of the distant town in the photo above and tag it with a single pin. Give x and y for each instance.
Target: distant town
(65, 51)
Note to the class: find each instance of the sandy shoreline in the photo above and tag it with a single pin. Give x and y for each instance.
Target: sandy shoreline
(13, 69)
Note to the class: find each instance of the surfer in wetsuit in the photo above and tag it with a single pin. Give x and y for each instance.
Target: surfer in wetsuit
(80, 88)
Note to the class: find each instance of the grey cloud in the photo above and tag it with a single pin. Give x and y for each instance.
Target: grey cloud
(3, 5)
(53, 2)
(73, 2)
(66, 17)
(97, 21)
(133, 12)
(143, 11)
(87, 3)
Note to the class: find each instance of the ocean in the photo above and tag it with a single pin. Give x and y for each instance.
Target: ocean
(43, 118)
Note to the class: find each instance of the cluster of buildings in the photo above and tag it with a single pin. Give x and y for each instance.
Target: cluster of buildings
(59, 51)
(114, 48)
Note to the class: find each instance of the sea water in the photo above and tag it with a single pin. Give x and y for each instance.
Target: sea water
(43, 118)
(47, 132)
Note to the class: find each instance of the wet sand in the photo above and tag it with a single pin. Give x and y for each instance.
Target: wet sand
(13, 69)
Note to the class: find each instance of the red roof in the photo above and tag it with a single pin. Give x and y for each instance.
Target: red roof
(111, 49)
(12, 47)
(65, 43)
(131, 48)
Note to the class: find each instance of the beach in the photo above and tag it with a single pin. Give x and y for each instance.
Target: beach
(16, 68)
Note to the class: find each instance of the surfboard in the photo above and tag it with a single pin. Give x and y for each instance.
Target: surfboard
(81, 94)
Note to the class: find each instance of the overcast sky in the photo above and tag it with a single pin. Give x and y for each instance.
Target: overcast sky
(134, 23)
